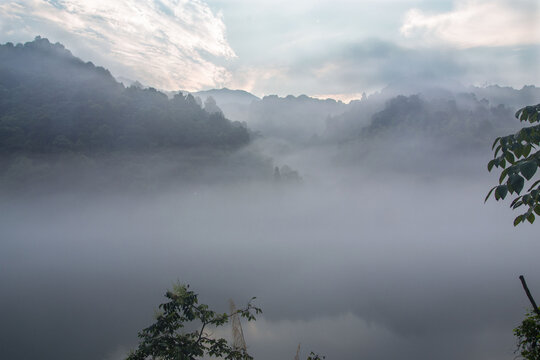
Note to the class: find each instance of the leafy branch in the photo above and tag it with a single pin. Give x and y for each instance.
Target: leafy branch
(165, 339)
(519, 159)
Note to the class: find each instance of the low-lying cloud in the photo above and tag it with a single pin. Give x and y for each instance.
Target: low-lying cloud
(372, 266)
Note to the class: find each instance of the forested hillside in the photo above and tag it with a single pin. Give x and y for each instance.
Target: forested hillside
(67, 124)
(462, 119)
(62, 119)
(51, 101)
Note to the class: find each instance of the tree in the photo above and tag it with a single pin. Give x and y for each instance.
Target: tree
(528, 333)
(514, 155)
(210, 106)
(519, 163)
(528, 336)
(165, 339)
(314, 356)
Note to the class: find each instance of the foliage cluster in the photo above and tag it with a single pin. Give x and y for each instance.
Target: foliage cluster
(518, 157)
(314, 356)
(165, 339)
(528, 337)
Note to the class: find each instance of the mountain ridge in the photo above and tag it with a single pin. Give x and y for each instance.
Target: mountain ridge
(54, 101)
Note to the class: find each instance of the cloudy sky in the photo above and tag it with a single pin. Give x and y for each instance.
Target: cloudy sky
(319, 47)
(338, 48)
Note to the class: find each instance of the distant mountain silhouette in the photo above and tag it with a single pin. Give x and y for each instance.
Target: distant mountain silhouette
(226, 96)
(514, 98)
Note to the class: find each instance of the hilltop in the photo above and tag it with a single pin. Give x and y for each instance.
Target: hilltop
(54, 101)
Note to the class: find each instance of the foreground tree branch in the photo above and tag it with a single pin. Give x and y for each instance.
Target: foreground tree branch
(518, 157)
(165, 339)
(528, 333)
(531, 299)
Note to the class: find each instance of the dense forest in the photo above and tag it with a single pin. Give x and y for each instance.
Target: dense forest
(52, 101)
(64, 123)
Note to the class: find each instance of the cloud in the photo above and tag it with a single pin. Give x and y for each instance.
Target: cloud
(250, 78)
(169, 44)
(475, 23)
(345, 70)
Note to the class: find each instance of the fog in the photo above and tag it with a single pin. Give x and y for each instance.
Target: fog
(353, 262)
(360, 228)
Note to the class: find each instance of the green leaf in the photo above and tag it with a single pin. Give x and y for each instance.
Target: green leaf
(495, 142)
(537, 209)
(530, 218)
(491, 164)
(500, 192)
(510, 157)
(518, 219)
(533, 185)
(497, 150)
(516, 204)
(527, 150)
(515, 183)
(503, 175)
(528, 169)
(515, 200)
(489, 193)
